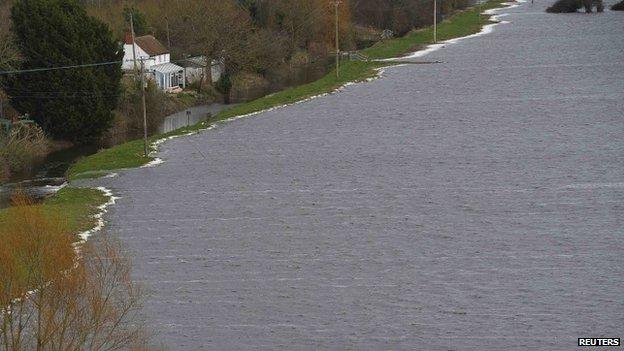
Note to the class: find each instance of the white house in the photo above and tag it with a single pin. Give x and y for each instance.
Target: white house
(168, 76)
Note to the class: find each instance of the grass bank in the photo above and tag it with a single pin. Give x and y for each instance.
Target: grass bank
(36, 235)
(130, 154)
(75, 207)
(460, 24)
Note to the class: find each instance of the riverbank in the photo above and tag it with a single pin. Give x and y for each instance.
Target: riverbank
(130, 154)
(79, 208)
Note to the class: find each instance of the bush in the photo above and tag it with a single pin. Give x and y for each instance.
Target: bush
(565, 6)
(131, 108)
(21, 148)
(5, 172)
(618, 7)
(248, 86)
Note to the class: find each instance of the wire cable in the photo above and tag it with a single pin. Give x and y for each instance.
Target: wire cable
(60, 68)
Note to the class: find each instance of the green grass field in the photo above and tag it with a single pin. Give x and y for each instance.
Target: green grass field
(130, 154)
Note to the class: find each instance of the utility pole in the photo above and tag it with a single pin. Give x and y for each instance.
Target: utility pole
(435, 21)
(144, 109)
(168, 40)
(133, 42)
(336, 5)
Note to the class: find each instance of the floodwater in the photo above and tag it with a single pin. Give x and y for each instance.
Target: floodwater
(46, 177)
(476, 204)
(191, 116)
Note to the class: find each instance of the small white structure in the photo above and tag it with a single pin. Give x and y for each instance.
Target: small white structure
(157, 59)
(195, 69)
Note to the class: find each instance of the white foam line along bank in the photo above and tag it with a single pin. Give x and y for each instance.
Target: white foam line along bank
(84, 236)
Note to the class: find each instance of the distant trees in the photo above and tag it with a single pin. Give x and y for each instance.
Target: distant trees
(222, 30)
(567, 6)
(9, 56)
(618, 7)
(73, 104)
(400, 16)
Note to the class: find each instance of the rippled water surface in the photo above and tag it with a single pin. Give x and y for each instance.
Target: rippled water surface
(476, 204)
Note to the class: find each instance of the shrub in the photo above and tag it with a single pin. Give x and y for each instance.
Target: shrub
(34, 248)
(158, 106)
(565, 6)
(247, 86)
(618, 7)
(5, 172)
(21, 148)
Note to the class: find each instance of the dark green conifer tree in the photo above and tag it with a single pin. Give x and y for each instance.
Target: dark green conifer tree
(73, 104)
(140, 21)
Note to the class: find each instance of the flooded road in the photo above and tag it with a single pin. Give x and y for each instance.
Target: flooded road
(476, 204)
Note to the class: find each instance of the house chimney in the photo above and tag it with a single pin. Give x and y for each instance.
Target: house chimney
(128, 38)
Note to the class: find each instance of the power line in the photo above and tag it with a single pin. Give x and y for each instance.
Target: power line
(59, 97)
(60, 68)
(44, 69)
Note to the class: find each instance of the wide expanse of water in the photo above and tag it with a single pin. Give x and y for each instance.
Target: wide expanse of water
(476, 204)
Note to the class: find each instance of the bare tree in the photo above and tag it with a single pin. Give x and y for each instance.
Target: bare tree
(86, 303)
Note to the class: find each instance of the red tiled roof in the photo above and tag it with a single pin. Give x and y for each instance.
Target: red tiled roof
(151, 45)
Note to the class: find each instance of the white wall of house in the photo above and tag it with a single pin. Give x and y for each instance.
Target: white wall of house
(128, 63)
(128, 58)
(164, 58)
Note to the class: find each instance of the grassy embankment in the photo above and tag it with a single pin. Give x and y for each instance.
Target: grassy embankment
(36, 239)
(129, 155)
(33, 236)
(74, 206)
